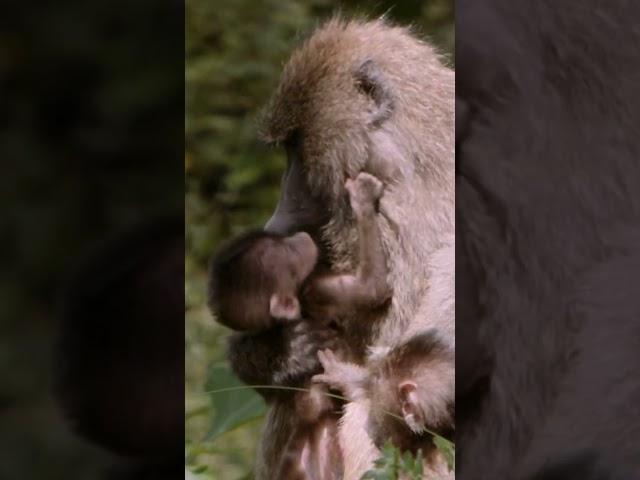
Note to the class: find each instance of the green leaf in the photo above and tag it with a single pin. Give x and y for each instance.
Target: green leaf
(418, 469)
(448, 449)
(393, 463)
(232, 408)
(386, 467)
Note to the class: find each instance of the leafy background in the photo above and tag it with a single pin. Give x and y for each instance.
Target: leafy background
(234, 54)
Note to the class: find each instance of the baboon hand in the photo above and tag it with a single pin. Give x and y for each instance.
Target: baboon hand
(364, 192)
(343, 376)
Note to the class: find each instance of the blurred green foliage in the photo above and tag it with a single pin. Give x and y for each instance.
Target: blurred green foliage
(392, 464)
(234, 55)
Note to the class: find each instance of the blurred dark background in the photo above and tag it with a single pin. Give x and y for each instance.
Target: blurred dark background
(547, 240)
(234, 56)
(91, 110)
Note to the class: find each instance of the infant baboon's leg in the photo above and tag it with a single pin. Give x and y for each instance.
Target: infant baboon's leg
(315, 432)
(295, 455)
(368, 287)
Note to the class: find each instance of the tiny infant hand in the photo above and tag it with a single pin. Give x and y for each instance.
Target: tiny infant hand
(364, 192)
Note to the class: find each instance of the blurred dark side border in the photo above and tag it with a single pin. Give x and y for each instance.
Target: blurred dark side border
(548, 240)
(92, 240)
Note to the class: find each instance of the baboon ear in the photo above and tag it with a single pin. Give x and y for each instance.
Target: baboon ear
(410, 403)
(284, 306)
(372, 82)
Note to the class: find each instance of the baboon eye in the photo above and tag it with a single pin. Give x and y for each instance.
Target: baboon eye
(365, 86)
(371, 81)
(367, 77)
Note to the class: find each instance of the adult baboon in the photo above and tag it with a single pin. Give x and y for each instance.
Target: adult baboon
(548, 204)
(364, 96)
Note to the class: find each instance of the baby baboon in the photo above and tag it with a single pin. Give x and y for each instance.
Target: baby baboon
(256, 278)
(364, 97)
(255, 281)
(406, 383)
(341, 297)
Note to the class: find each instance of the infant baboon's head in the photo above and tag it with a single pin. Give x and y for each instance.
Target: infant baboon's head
(255, 278)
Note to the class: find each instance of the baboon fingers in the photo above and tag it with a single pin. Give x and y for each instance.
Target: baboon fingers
(365, 188)
(323, 354)
(327, 358)
(370, 184)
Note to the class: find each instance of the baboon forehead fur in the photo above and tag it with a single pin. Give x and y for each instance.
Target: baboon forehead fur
(319, 77)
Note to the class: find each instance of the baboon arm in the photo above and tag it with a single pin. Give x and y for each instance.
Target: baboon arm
(370, 283)
(295, 455)
(312, 452)
(368, 287)
(371, 257)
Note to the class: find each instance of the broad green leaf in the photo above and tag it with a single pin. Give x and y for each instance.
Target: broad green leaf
(448, 449)
(234, 408)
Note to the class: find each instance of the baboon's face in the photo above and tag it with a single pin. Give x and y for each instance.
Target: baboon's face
(329, 141)
(299, 209)
(343, 106)
(331, 96)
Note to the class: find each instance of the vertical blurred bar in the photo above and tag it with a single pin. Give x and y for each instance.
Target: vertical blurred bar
(92, 240)
(548, 239)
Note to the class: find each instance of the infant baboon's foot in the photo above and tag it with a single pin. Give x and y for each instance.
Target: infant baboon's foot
(343, 376)
(364, 192)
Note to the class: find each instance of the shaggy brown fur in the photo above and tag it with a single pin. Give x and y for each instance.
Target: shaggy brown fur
(368, 96)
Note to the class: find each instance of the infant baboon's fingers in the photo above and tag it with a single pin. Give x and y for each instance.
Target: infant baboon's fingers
(324, 357)
(327, 357)
(370, 184)
(321, 357)
(325, 353)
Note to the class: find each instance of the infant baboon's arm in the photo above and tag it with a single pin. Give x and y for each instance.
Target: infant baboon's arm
(311, 451)
(368, 287)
